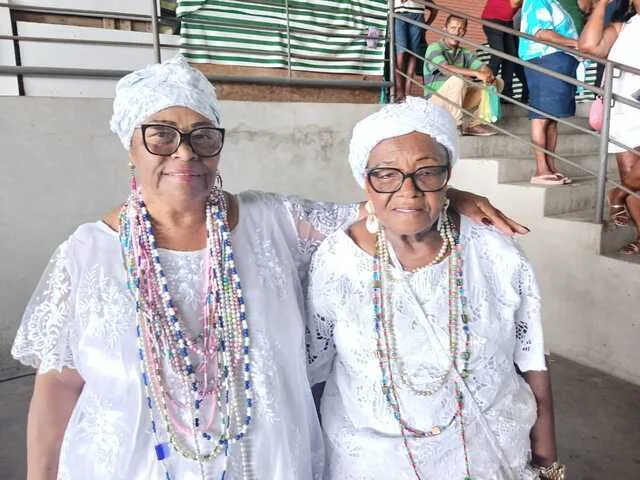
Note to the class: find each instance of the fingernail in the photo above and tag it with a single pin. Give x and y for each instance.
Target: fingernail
(527, 229)
(487, 221)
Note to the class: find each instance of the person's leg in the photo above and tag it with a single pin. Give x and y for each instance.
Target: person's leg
(552, 143)
(539, 129)
(416, 34)
(402, 42)
(508, 67)
(454, 89)
(496, 41)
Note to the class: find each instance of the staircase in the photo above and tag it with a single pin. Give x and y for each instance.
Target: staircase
(569, 203)
(589, 291)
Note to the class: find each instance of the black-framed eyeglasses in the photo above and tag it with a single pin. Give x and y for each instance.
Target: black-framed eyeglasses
(425, 179)
(162, 139)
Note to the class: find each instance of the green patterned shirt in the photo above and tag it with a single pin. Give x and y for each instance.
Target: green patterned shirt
(440, 54)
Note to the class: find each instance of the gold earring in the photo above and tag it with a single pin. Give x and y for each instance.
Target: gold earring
(372, 224)
(132, 167)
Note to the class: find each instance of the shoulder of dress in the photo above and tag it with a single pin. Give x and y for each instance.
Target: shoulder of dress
(91, 238)
(488, 238)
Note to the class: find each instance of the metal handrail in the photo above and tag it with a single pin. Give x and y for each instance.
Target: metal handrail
(533, 38)
(606, 92)
(277, 81)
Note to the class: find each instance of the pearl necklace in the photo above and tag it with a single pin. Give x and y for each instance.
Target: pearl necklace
(160, 333)
(387, 354)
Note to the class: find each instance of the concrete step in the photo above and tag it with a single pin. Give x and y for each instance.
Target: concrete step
(560, 199)
(500, 146)
(511, 110)
(521, 169)
(613, 238)
(522, 125)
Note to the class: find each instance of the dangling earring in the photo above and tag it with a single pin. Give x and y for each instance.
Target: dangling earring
(132, 172)
(218, 183)
(443, 215)
(372, 224)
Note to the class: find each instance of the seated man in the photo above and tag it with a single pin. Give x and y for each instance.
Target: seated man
(447, 57)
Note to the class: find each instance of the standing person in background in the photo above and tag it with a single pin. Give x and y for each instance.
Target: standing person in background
(409, 37)
(558, 21)
(615, 11)
(502, 12)
(619, 42)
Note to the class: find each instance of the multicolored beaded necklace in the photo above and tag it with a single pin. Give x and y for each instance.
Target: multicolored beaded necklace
(165, 346)
(391, 365)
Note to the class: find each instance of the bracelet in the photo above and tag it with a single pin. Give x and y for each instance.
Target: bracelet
(555, 471)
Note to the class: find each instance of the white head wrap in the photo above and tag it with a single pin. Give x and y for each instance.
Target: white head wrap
(173, 83)
(415, 114)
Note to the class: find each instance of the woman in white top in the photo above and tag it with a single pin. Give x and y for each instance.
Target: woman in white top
(425, 326)
(169, 337)
(619, 42)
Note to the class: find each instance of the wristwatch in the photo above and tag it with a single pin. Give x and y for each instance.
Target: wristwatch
(555, 471)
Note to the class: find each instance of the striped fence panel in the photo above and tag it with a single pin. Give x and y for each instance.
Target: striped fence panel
(325, 35)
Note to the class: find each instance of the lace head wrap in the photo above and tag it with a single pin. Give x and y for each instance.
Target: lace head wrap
(415, 114)
(173, 83)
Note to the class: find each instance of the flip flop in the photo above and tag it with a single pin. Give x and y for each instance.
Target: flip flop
(550, 179)
(632, 248)
(565, 180)
(619, 217)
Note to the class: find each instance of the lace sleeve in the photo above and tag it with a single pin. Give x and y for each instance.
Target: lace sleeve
(320, 344)
(529, 354)
(43, 338)
(316, 220)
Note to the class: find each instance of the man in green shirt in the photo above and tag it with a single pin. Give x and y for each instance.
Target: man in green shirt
(447, 57)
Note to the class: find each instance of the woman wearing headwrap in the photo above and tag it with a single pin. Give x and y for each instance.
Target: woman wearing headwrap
(425, 326)
(169, 337)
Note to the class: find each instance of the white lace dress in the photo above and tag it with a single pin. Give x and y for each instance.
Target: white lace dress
(362, 437)
(82, 316)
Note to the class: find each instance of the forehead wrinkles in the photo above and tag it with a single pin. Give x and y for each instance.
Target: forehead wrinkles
(406, 149)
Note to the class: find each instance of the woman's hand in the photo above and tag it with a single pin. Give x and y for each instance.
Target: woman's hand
(480, 210)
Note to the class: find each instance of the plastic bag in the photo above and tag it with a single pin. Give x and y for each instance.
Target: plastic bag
(489, 110)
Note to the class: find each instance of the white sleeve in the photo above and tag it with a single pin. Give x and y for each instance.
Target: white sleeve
(321, 349)
(314, 221)
(529, 354)
(44, 337)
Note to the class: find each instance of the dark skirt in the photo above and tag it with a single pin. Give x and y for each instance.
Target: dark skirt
(550, 95)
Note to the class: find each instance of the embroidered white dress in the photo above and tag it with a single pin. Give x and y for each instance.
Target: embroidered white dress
(362, 437)
(82, 316)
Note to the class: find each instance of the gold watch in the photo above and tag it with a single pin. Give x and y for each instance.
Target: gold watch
(555, 471)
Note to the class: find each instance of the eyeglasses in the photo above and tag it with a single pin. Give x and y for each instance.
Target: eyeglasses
(425, 179)
(161, 139)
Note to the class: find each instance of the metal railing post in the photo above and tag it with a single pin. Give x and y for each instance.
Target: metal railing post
(604, 141)
(155, 32)
(286, 6)
(392, 51)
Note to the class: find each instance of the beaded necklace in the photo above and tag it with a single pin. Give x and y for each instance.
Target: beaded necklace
(163, 342)
(389, 359)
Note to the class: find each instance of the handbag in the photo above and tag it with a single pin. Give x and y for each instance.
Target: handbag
(596, 113)
(489, 110)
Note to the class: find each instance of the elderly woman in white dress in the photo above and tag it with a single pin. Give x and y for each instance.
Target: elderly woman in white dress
(425, 326)
(169, 337)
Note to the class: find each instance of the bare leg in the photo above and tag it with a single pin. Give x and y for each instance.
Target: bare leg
(411, 73)
(629, 165)
(400, 80)
(552, 143)
(539, 128)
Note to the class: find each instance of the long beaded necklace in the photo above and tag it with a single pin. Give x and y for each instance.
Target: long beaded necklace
(161, 335)
(387, 353)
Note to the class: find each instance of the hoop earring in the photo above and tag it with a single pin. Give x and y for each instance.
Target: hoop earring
(218, 182)
(372, 224)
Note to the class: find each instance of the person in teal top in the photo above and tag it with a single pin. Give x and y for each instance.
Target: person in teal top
(558, 21)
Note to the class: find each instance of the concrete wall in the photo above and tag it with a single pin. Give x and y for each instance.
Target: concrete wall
(61, 167)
